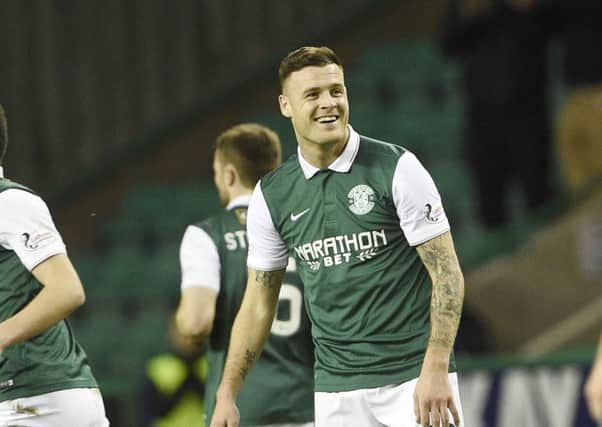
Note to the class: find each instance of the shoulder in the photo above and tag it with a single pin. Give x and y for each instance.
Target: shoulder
(378, 160)
(216, 225)
(7, 184)
(289, 169)
(409, 166)
(20, 202)
(213, 222)
(372, 147)
(208, 227)
(197, 240)
(207, 223)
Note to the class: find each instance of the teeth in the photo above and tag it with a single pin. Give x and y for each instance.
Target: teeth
(327, 119)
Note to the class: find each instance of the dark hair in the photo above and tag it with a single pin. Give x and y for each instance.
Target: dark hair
(306, 56)
(253, 150)
(3, 133)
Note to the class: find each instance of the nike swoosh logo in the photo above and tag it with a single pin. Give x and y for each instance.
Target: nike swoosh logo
(294, 217)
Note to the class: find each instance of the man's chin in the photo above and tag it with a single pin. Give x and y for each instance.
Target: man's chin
(331, 136)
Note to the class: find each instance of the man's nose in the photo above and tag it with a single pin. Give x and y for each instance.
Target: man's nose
(327, 101)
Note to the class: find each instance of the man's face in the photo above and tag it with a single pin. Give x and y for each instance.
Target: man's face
(220, 180)
(315, 99)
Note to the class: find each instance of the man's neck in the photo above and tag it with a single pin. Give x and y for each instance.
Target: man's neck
(239, 191)
(322, 155)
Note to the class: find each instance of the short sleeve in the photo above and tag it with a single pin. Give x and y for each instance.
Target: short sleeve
(199, 260)
(26, 227)
(417, 201)
(267, 250)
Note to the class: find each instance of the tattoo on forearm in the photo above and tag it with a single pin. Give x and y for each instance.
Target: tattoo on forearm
(448, 292)
(268, 279)
(250, 357)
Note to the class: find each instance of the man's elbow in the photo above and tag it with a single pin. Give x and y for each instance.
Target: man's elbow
(194, 328)
(80, 298)
(75, 297)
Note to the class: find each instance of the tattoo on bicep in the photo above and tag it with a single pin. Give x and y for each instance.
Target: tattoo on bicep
(250, 357)
(268, 279)
(447, 297)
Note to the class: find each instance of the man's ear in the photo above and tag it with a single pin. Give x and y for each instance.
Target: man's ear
(230, 174)
(285, 108)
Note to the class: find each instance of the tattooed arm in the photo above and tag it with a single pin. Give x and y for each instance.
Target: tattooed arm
(249, 333)
(433, 392)
(439, 258)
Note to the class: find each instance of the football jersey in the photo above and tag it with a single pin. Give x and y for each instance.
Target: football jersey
(51, 360)
(352, 229)
(279, 389)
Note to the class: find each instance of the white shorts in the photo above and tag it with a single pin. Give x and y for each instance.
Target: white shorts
(76, 407)
(388, 406)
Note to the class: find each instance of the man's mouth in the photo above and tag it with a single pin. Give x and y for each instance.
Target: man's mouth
(327, 119)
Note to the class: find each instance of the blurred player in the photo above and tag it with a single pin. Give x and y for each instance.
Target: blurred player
(382, 283)
(213, 255)
(593, 386)
(173, 390)
(45, 379)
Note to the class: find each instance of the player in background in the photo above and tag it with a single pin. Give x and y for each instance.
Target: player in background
(213, 254)
(382, 283)
(45, 379)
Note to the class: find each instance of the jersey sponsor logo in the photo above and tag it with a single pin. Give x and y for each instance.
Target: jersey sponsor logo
(341, 249)
(295, 217)
(32, 242)
(314, 265)
(432, 216)
(361, 199)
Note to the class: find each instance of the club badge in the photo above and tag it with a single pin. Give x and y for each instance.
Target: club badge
(361, 199)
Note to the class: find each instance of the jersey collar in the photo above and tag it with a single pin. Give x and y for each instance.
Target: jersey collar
(341, 164)
(239, 202)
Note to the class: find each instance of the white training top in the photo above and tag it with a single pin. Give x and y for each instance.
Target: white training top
(199, 259)
(412, 186)
(26, 227)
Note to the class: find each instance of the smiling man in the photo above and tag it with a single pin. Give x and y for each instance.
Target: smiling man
(383, 287)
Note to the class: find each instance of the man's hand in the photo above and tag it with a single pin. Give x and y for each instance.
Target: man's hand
(593, 389)
(433, 395)
(226, 413)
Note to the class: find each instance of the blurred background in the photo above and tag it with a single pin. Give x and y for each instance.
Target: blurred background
(113, 108)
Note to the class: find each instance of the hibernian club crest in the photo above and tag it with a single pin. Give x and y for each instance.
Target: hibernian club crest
(361, 199)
